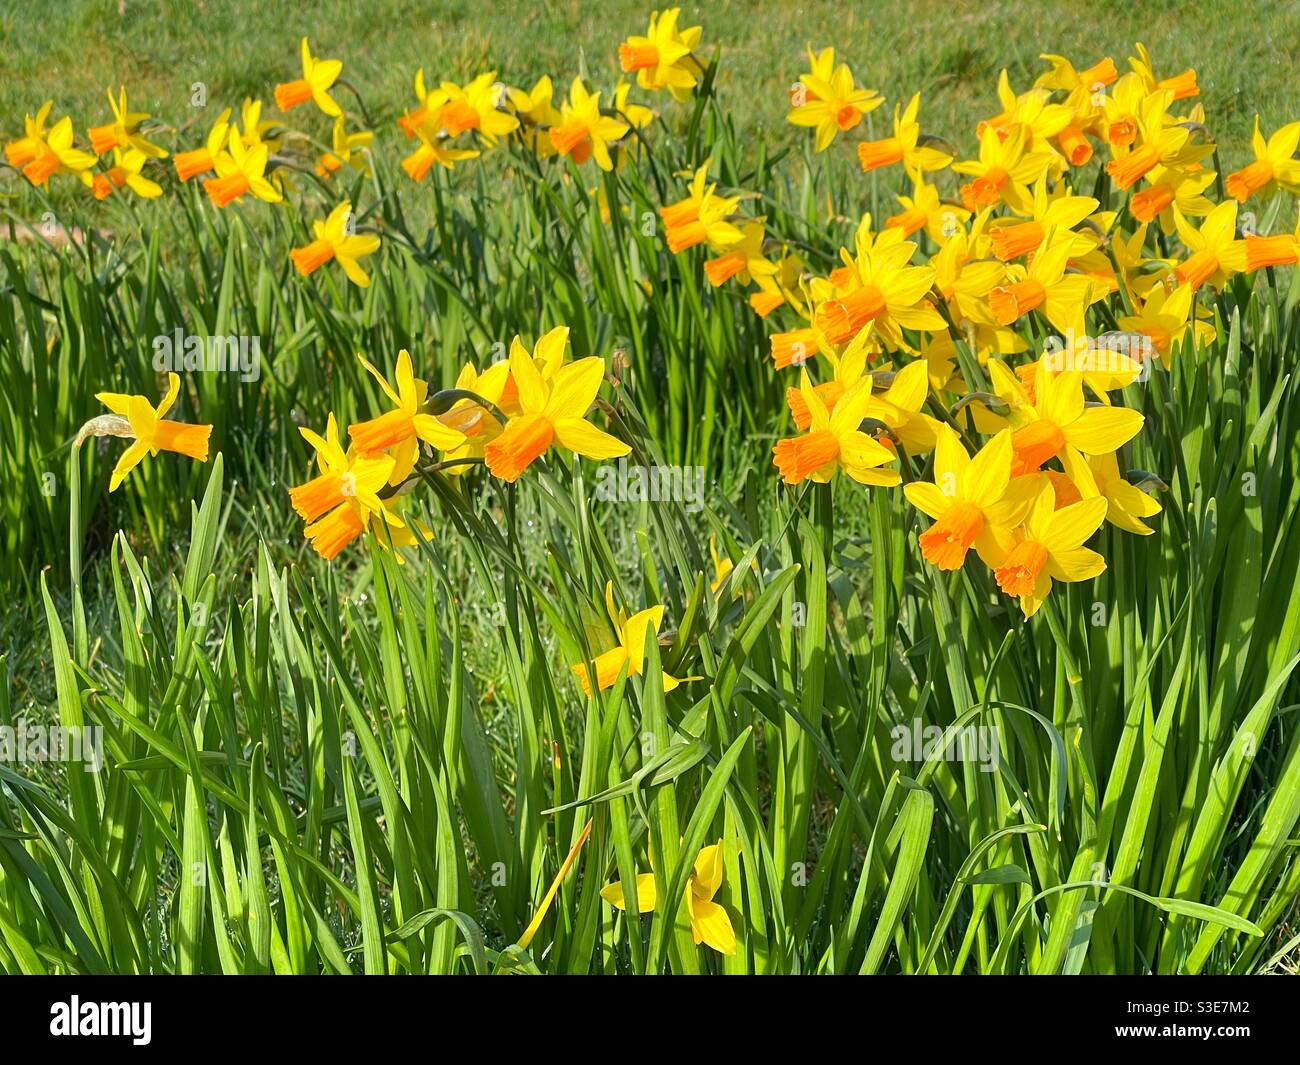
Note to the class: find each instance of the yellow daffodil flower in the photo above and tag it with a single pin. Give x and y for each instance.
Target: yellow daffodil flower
(241, 172)
(318, 77)
(334, 241)
(1044, 285)
(630, 651)
(1126, 504)
(537, 113)
(124, 131)
(743, 260)
(974, 502)
(348, 149)
(1056, 417)
(925, 210)
(56, 155)
(343, 476)
(1009, 239)
(1280, 250)
(1169, 188)
(478, 107)
(1050, 547)
(400, 431)
(834, 442)
(710, 923)
(583, 132)
(1005, 169)
(665, 57)
(1180, 86)
(904, 146)
(125, 173)
(153, 432)
(432, 150)
(20, 152)
(1158, 142)
(202, 160)
(1215, 252)
(1275, 164)
(1164, 318)
(552, 412)
(829, 100)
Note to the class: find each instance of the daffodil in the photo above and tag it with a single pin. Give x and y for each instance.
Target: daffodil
(343, 476)
(710, 923)
(20, 152)
(1215, 252)
(1170, 188)
(125, 173)
(583, 132)
(1158, 142)
(202, 160)
(400, 431)
(830, 101)
(56, 155)
(1126, 503)
(880, 292)
(1179, 86)
(665, 57)
(1275, 164)
(1050, 547)
(240, 172)
(434, 149)
(552, 412)
(743, 260)
(318, 77)
(1060, 211)
(124, 131)
(347, 149)
(631, 633)
(424, 115)
(478, 106)
(1032, 111)
(477, 422)
(702, 217)
(335, 241)
(1005, 169)
(925, 210)
(1280, 250)
(1164, 319)
(904, 146)
(974, 502)
(1044, 285)
(835, 442)
(153, 432)
(537, 113)
(1056, 417)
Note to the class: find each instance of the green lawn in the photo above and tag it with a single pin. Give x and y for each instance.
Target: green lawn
(1246, 53)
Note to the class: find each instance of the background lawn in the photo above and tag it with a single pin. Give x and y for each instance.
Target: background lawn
(1246, 53)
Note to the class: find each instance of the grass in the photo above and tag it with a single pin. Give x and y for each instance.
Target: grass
(951, 53)
(381, 766)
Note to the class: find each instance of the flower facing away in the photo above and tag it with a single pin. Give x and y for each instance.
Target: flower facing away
(710, 923)
(552, 412)
(1050, 547)
(318, 77)
(401, 430)
(334, 241)
(348, 149)
(904, 146)
(665, 57)
(153, 432)
(631, 633)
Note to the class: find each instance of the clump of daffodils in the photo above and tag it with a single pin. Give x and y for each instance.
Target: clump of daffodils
(981, 344)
